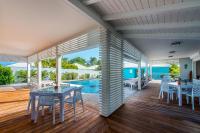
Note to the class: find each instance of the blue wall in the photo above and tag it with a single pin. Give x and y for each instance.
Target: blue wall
(157, 72)
(129, 73)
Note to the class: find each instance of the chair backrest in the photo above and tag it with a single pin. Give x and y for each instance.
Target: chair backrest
(77, 94)
(164, 83)
(196, 87)
(45, 99)
(33, 86)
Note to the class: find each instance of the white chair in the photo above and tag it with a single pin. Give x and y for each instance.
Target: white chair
(164, 79)
(195, 92)
(167, 89)
(45, 100)
(77, 96)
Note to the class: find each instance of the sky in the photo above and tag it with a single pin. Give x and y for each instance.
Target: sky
(86, 54)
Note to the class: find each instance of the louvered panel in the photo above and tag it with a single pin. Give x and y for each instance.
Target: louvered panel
(129, 50)
(32, 58)
(111, 92)
(84, 41)
(116, 90)
(105, 79)
(48, 53)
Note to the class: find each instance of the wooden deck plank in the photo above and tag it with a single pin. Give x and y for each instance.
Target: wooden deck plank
(141, 113)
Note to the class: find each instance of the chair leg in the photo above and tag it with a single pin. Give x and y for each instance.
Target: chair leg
(168, 96)
(172, 96)
(74, 107)
(29, 104)
(50, 109)
(54, 113)
(199, 100)
(36, 114)
(159, 94)
(193, 103)
(82, 104)
(42, 110)
(187, 99)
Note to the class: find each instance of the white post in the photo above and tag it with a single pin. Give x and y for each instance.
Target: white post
(151, 72)
(39, 73)
(194, 69)
(139, 75)
(58, 70)
(28, 72)
(147, 71)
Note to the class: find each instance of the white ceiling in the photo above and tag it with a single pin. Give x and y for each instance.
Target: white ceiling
(28, 26)
(159, 48)
(152, 25)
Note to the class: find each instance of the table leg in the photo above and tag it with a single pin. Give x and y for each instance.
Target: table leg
(62, 108)
(180, 96)
(32, 107)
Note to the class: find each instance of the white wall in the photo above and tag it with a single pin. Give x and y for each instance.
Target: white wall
(185, 71)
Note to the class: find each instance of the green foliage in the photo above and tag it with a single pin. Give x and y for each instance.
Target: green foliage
(93, 61)
(67, 65)
(52, 76)
(21, 76)
(6, 75)
(34, 73)
(49, 63)
(78, 60)
(174, 70)
(69, 76)
(84, 76)
(45, 74)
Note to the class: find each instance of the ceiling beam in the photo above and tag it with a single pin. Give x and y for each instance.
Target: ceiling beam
(160, 26)
(193, 36)
(90, 2)
(150, 11)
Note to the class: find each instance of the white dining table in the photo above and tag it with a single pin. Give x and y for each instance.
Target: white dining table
(61, 93)
(175, 85)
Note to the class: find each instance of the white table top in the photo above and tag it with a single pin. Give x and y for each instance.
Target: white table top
(189, 85)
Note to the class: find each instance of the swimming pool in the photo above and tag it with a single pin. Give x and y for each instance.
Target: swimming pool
(89, 86)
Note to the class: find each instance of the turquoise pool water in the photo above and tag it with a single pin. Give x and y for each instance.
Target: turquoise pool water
(90, 86)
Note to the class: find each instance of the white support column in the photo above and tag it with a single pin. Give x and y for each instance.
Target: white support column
(139, 75)
(194, 70)
(28, 72)
(151, 72)
(147, 70)
(58, 69)
(39, 73)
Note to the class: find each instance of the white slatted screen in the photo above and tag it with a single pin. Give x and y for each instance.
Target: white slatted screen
(85, 41)
(112, 52)
(48, 53)
(111, 90)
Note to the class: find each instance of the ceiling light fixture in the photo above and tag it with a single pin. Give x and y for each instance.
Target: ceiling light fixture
(172, 52)
(170, 56)
(176, 43)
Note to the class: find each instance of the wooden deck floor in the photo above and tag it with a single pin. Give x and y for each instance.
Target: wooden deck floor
(141, 113)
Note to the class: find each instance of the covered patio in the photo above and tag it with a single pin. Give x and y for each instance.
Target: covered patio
(141, 113)
(142, 32)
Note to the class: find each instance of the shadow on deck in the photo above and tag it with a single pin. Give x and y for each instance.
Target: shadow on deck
(143, 112)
